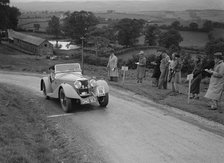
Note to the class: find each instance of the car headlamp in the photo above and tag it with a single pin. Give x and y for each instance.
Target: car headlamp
(77, 84)
(92, 82)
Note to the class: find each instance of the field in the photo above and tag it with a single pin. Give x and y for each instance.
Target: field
(28, 19)
(199, 39)
(193, 39)
(28, 24)
(218, 33)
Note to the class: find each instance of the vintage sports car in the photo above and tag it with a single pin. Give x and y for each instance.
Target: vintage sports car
(67, 83)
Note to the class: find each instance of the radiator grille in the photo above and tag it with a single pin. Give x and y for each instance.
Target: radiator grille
(84, 88)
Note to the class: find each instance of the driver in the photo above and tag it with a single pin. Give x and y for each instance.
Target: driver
(52, 73)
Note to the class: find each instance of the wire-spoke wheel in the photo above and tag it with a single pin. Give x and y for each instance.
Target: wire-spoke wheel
(103, 101)
(66, 103)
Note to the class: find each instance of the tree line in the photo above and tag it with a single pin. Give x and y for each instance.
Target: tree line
(125, 31)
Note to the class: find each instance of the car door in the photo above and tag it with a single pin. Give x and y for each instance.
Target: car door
(55, 83)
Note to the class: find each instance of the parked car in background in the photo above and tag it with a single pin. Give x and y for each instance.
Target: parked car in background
(67, 83)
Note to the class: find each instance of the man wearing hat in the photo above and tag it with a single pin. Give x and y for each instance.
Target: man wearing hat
(112, 67)
(216, 85)
(141, 67)
(164, 69)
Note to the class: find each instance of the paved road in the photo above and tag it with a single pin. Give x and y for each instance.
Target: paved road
(131, 130)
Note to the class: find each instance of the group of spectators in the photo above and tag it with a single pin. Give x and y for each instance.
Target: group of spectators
(168, 69)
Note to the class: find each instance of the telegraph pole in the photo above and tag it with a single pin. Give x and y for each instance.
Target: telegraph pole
(82, 38)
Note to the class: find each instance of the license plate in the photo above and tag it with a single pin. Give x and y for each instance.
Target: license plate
(88, 100)
(101, 91)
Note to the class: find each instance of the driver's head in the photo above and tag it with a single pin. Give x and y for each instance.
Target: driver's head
(52, 68)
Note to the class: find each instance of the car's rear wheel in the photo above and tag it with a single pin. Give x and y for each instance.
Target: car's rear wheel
(103, 101)
(66, 103)
(45, 92)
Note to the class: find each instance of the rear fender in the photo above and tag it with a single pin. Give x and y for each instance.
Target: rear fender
(69, 91)
(46, 81)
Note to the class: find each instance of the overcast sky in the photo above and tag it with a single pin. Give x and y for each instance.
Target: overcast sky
(77, 0)
(153, 5)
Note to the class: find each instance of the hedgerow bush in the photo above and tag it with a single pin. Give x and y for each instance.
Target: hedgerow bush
(131, 63)
(188, 64)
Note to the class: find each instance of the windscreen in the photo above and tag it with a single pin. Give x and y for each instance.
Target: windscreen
(70, 67)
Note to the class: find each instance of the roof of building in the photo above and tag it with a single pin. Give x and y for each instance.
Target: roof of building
(26, 38)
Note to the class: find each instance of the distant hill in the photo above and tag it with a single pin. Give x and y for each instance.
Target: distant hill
(120, 6)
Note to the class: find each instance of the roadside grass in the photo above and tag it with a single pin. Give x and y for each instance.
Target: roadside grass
(22, 136)
(27, 135)
(199, 107)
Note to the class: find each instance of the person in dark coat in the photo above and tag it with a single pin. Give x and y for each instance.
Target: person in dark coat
(156, 70)
(197, 76)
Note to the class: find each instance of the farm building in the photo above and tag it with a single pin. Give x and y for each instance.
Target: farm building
(31, 44)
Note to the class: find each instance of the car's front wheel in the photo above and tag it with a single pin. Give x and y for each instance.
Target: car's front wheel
(66, 103)
(103, 101)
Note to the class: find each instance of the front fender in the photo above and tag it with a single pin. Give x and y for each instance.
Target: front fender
(45, 80)
(102, 83)
(69, 91)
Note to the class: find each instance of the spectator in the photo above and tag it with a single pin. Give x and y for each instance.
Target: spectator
(197, 76)
(164, 69)
(216, 85)
(112, 67)
(141, 67)
(156, 70)
(175, 73)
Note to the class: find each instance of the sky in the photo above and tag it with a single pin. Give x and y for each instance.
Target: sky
(118, 5)
(76, 0)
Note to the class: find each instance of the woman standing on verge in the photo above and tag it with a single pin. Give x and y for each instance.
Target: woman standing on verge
(141, 67)
(197, 76)
(112, 67)
(216, 85)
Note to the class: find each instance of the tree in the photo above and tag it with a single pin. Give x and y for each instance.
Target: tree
(4, 2)
(175, 25)
(106, 32)
(8, 16)
(207, 26)
(54, 26)
(213, 46)
(128, 31)
(193, 26)
(101, 43)
(77, 24)
(151, 35)
(170, 37)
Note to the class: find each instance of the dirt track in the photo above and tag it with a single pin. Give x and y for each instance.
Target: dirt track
(131, 129)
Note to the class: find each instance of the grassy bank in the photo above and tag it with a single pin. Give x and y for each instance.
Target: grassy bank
(23, 134)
